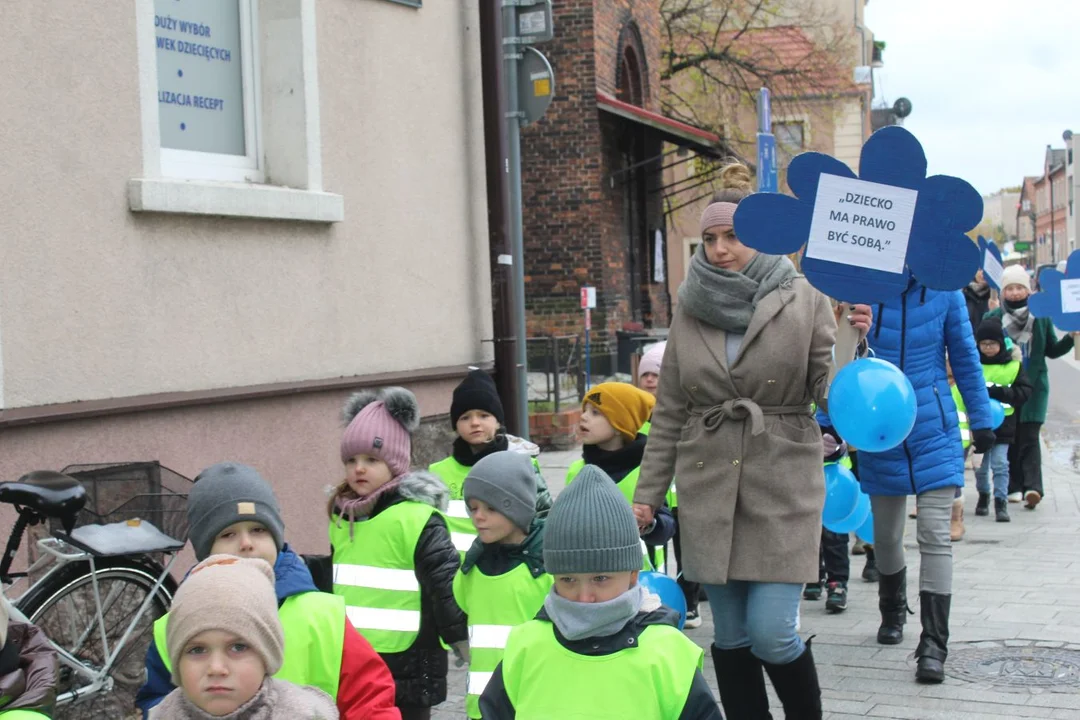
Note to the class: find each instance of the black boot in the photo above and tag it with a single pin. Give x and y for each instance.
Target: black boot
(1001, 510)
(870, 572)
(982, 507)
(892, 602)
(741, 682)
(934, 642)
(796, 685)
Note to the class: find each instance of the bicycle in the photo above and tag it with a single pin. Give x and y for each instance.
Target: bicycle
(107, 578)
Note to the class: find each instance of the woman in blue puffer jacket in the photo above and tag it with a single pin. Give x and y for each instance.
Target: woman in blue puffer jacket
(914, 332)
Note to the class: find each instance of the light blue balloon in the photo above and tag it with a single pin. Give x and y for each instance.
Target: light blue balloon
(671, 595)
(841, 494)
(855, 519)
(866, 532)
(997, 414)
(872, 405)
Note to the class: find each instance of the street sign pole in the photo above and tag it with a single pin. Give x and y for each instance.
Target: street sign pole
(588, 302)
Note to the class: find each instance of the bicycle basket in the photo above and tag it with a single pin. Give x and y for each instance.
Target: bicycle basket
(117, 492)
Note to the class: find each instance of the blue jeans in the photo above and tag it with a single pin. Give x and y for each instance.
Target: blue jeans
(761, 616)
(998, 459)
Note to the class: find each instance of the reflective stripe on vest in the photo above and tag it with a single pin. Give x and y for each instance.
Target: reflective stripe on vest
(961, 413)
(458, 522)
(374, 571)
(21, 714)
(1002, 376)
(314, 627)
(495, 605)
(651, 680)
(626, 486)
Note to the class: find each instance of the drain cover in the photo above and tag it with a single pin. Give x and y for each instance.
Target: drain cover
(1017, 665)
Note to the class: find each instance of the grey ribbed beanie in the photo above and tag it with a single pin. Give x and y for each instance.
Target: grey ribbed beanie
(507, 482)
(229, 493)
(591, 528)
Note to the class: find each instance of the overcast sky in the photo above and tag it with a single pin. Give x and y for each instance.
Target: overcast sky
(991, 81)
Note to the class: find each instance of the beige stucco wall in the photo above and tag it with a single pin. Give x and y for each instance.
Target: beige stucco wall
(848, 139)
(98, 302)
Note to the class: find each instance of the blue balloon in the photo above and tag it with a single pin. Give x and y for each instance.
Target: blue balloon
(841, 494)
(866, 532)
(872, 405)
(997, 414)
(671, 595)
(855, 519)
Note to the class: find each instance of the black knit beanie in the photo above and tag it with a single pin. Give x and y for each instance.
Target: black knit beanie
(991, 329)
(476, 392)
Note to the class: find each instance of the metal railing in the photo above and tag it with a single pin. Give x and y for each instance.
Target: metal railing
(556, 372)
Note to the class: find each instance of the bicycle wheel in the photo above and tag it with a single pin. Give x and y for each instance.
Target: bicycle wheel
(63, 607)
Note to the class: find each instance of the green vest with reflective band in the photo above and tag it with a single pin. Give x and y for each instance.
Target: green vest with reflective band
(544, 680)
(845, 461)
(458, 522)
(1002, 376)
(961, 412)
(314, 625)
(626, 486)
(495, 606)
(22, 715)
(672, 495)
(374, 571)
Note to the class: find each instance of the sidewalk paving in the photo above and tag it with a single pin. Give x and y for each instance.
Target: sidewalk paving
(1015, 629)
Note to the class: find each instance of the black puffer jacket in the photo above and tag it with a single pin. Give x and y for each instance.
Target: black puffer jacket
(1016, 394)
(420, 671)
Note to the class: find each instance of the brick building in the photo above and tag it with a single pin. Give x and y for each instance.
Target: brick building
(592, 182)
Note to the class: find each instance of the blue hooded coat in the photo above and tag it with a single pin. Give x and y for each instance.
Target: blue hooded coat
(914, 331)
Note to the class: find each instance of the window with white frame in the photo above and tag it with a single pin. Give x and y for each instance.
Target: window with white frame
(229, 128)
(207, 89)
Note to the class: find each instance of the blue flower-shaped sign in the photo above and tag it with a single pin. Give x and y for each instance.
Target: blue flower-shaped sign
(863, 237)
(1059, 296)
(992, 264)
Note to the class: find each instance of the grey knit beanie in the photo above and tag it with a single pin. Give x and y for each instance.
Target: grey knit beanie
(507, 482)
(229, 493)
(591, 528)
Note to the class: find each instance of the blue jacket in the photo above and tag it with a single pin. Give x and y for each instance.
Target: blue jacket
(913, 332)
(291, 578)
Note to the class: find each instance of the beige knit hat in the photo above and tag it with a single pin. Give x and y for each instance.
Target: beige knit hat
(229, 593)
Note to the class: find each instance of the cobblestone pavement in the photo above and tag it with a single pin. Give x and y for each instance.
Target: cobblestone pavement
(1015, 645)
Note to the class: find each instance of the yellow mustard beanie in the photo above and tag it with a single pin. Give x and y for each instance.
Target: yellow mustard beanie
(625, 406)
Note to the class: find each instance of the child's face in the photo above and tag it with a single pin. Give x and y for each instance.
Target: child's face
(366, 474)
(477, 427)
(219, 672)
(989, 348)
(492, 526)
(594, 428)
(649, 382)
(247, 539)
(1015, 292)
(594, 587)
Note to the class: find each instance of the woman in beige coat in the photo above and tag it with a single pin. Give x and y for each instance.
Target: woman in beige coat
(748, 351)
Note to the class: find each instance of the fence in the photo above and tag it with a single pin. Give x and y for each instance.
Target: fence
(556, 372)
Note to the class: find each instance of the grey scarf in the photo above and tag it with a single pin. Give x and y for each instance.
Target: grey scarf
(1018, 323)
(725, 299)
(276, 700)
(577, 621)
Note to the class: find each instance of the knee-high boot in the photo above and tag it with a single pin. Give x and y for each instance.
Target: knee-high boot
(796, 684)
(934, 642)
(741, 682)
(892, 602)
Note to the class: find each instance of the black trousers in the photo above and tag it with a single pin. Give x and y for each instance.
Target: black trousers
(691, 590)
(835, 561)
(1025, 459)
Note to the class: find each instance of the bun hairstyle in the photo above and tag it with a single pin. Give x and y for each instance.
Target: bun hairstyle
(736, 183)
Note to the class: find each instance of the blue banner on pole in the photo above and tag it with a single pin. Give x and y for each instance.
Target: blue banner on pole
(767, 178)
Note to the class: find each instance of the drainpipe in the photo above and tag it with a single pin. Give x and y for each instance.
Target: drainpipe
(862, 48)
(496, 164)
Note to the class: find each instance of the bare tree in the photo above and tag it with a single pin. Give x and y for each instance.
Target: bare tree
(718, 53)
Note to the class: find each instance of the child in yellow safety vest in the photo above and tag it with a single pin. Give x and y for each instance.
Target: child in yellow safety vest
(602, 647)
(225, 643)
(609, 430)
(231, 510)
(394, 562)
(476, 413)
(502, 582)
(1007, 383)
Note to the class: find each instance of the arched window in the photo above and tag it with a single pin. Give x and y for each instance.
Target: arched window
(629, 79)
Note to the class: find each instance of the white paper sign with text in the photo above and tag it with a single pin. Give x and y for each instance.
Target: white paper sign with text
(992, 267)
(861, 223)
(1070, 296)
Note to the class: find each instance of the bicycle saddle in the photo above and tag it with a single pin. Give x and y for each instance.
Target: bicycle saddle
(48, 493)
